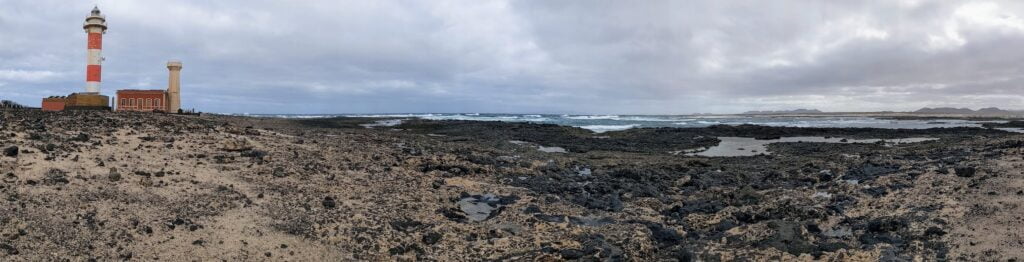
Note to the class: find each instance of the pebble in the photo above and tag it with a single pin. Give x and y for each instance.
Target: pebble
(329, 203)
(114, 176)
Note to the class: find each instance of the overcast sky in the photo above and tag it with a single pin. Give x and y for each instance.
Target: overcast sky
(522, 56)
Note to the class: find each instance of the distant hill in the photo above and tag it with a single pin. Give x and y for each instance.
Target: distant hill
(966, 111)
(993, 110)
(796, 111)
(945, 110)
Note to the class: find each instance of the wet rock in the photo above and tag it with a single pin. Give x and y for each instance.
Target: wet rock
(964, 171)
(11, 151)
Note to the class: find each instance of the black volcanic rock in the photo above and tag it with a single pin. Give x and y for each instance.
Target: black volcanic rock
(11, 151)
(965, 171)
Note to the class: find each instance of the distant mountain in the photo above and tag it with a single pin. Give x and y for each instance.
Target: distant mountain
(966, 111)
(797, 111)
(993, 110)
(945, 110)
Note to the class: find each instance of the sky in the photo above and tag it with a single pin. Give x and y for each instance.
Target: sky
(528, 56)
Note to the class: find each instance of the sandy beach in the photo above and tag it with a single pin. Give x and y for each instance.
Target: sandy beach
(132, 186)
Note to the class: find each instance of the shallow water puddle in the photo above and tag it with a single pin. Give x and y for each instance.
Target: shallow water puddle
(546, 149)
(746, 146)
(482, 207)
(384, 123)
(552, 149)
(1012, 129)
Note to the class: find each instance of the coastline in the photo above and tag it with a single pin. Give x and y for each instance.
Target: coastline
(148, 186)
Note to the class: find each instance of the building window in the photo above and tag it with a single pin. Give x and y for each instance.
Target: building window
(149, 103)
(156, 103)
(123, 101)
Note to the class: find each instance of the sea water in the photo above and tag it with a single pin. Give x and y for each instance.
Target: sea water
(745, 146)
(605, 123)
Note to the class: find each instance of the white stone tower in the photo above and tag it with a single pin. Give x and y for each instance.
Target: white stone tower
(174, 86)
(95, 26)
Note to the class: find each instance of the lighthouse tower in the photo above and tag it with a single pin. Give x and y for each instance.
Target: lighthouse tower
(174, 86)
(95, 26)
(91, 99)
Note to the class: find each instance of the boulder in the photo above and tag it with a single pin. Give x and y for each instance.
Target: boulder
(236, 145)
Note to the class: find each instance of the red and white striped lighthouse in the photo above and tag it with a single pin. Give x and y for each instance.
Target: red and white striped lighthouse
(95, 26)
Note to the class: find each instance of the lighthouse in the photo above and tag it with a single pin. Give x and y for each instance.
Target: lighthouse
(95, 26)
(128, 99)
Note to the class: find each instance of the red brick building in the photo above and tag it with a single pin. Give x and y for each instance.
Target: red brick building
(141, 100)
(54, 103)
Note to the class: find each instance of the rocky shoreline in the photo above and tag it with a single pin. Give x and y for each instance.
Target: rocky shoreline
(103, 186)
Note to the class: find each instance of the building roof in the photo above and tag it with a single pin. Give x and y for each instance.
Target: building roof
(139, 91)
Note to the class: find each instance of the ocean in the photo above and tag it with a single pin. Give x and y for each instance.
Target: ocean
(605, 123)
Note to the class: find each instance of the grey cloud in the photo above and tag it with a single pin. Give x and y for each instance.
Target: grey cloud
(269, 56)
